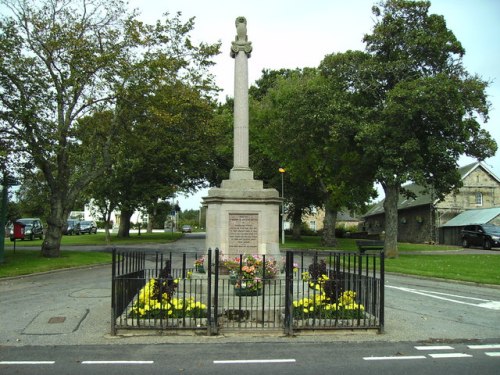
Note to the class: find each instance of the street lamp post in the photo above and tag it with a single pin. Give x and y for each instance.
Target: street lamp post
(282, 171)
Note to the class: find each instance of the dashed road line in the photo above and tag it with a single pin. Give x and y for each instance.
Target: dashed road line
(27, 362)
(435, 347)
(432, 353)
(117, 362)
(398, 357)
(247, 361)
(450, 355)
(484, 346)
(492, 354)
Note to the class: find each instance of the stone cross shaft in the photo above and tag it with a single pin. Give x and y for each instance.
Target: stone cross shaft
(240, 51)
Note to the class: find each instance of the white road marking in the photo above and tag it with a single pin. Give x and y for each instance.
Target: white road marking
(238, 361)
(483, 303)
(27, 362)
(435, 347)
(117, 362)
(484, 346)
(450, 355)
(395, 357)
(492, 354)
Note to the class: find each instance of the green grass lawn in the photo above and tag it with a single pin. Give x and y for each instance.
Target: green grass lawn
(100, 239)
(478, 268)
(348, 244)
(26, 262)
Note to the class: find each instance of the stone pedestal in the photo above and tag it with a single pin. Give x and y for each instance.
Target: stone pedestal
(243, 218)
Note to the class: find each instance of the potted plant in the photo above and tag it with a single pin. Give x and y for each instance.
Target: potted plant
(199, 264)
(248, 282)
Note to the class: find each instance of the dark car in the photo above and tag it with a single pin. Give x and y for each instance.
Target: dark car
(88, 227)
(484, 235)
(72, 227)
(33, 228)
(187, 229)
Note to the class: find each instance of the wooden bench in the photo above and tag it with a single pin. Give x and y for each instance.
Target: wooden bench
(363, 246)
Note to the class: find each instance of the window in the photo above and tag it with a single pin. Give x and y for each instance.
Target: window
(479, 199)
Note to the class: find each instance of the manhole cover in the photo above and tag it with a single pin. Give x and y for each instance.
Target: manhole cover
(57, 319)
(56, 322)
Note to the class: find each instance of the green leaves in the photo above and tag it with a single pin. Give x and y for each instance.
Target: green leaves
(84, 83)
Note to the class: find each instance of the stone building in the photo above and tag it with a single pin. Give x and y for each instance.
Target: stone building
(420, 218)
(315, 220)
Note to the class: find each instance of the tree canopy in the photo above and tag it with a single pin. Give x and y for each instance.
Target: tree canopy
(426, 106)
(66, 60)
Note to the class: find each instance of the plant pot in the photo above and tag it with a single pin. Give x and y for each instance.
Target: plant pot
(200, 269)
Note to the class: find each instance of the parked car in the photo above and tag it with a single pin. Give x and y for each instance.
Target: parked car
(72, 227)
(33, 228)
(187, 229)
(485, 235)
(88, 227)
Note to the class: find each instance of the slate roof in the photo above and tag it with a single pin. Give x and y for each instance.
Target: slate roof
(478, 216)
(423, 197)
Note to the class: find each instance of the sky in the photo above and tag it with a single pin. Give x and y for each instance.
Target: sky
(297, 34)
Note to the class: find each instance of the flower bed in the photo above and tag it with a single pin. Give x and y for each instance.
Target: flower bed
(322, 307)
(156, 301)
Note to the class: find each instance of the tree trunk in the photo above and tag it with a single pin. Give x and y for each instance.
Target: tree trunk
(297, 224)
(296, 231)
(52, 243)
(151, 219)
(51, 246)
(391, 220)
(329, 223)
(124, 230)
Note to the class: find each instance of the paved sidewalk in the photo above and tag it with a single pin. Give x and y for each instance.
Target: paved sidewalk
(72, 307)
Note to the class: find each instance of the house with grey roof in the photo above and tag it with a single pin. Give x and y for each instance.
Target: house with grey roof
(420, 218)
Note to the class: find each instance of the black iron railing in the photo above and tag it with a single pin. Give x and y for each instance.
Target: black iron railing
(306, 290)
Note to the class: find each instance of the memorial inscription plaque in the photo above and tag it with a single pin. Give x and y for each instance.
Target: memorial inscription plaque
(243, 233)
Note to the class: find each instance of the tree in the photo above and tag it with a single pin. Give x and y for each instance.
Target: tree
(307, 114)
(64, 60)
(425, 105)
(165, 141)
(57, 57)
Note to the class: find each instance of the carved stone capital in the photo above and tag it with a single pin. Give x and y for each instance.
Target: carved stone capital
(241, 42)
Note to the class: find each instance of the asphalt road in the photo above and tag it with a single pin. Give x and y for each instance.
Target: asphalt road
(416, 309)
(287, 357)
(452, 320)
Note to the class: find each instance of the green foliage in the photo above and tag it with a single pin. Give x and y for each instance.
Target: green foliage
(424, 105)
(305, 113)
(91, 91)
